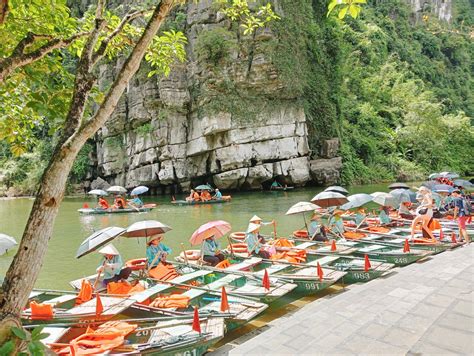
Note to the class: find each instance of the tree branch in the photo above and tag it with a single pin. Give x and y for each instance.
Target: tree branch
(19, 59)
(103, 46)
(3, 10)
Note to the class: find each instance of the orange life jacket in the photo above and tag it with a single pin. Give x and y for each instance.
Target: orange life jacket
(164, 272)
(85, 294)
(41, 311)
(171, 301)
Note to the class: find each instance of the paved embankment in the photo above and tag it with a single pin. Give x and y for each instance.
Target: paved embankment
(425, 308)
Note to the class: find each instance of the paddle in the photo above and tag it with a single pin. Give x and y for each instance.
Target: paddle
(184, 252)
(98, 275)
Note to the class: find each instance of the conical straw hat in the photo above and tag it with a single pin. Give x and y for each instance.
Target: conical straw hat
(255, 218)
(109, 250)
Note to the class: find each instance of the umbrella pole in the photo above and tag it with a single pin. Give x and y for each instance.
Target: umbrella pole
(184, 253)
(230, 245)
(274, 229)
(305, 224)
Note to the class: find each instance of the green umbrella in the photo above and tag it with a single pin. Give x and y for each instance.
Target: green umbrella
(203, 187)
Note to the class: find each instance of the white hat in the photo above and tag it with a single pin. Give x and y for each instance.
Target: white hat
(253, 227)
(255, 218)
(154, 237)
(109, 250)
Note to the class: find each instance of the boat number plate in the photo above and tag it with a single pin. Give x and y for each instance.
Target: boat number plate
(311, 286)
(362, 276)
(401, 260)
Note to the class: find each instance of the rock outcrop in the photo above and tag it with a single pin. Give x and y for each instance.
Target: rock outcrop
(178, 131)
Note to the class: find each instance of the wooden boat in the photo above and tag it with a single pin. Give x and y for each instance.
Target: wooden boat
(225, 199)
(375, 251)
(167, 337)
(206, 296)
(304, 277)
(98, 211)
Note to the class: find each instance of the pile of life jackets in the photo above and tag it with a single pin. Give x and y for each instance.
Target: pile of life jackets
(298, 256)
(171, 301)
(163, 272)
(106, 337)
(282, 243)
(352, 235)
(124, 288)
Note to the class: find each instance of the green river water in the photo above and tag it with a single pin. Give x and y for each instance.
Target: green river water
(60, 266)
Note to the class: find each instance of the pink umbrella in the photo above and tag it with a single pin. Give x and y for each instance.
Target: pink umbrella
(216, 228)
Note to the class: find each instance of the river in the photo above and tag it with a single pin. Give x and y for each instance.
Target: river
(60, 266)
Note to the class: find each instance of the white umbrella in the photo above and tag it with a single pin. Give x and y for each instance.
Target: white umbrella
(98, 192)
(337, 189)
(327, 199)
(146, 228)
(357, 200)
(98, 239)
(116, 189)
(302, 207)
(6, 243)
(384, 199)
(450, 175)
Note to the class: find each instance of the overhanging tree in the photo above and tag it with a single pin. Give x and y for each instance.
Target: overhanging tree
(92, 42)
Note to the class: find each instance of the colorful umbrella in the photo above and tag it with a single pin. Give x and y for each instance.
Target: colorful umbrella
(337, 189)
(116, 189)
(146, 228)
(216, 228)
(98, 239)
(6, 243)
(398, 185)
(357, 200)
(327, 199)
(98, 192)
(139, 190)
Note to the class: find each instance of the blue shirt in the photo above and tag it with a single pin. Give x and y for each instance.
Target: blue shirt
(209, 247)
(338, 224)
(218, 195)
(253, 243)
(458, 203)
(359, 218)
(384, 218)
(313, 228)
(111, 267)
(152, 251)
(136, 201)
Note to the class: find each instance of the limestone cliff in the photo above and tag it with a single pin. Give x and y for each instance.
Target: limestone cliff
(229, 120)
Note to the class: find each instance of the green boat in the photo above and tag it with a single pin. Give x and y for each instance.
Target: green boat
(98, 211)
(374, 250)
(225, 199)
(167, 337)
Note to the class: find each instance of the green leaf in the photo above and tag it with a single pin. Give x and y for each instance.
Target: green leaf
(19, 333)
(342, 12)
(7, 348)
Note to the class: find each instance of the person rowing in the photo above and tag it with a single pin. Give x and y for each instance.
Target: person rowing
(211, 252)
(336, 223)
(111, 266)
(316, 230)
(103, 203)
(254, 241)
(136, 202)
(404, 210)
(156, 251)
(217, 195)
(360, 216)
(384, 217)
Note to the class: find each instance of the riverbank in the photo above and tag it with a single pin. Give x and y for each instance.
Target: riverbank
(424, 308)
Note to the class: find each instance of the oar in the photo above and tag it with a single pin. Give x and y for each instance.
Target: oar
(184, 252)
(98, 275)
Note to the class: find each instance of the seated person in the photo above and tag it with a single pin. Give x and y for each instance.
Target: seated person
(119, 202)
(360, 216)
(275, 184)
(253, 241)
(111, 267)
(156, 251)
(210, 251)
(217, 195)
(205, 195)
(103, 203)
(404, 210)
(136, 201)
(384, 215)
(336, 223)
(316, 230)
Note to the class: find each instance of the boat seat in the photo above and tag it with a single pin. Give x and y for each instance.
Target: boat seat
(277, 267)
(397, 241)
(213, 287)
(372, 237)
(371, 248)
(244, 264)
(160, 287)
(58, 300)
(34, 294)
(305, 245)
(54, 334)
(323, 261)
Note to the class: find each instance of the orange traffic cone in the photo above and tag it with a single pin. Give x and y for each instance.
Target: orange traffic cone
(441, 235)
(266, 280)
(224, 301)
(333, 245)
(366, 263)
(99, 308)
(453, 238)
(85, 206)
(320, 272)
(196, 323)
(406, 246)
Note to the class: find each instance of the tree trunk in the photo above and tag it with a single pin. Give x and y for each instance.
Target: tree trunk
(25, 267)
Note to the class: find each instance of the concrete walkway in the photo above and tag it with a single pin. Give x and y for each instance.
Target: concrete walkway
(422, 309)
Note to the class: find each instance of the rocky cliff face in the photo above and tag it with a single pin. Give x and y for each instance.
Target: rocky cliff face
(228, 120)
(441, 9)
